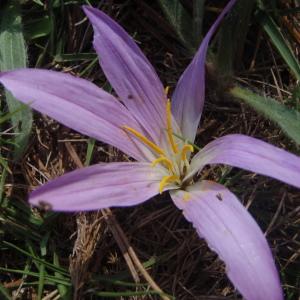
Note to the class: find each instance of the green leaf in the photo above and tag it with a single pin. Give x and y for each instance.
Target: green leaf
(9, 116)
(89, 152)
(39, 2)
(4, 292)
(2, 178)
(64, 291)
(42, 274)
(13, 55)
(35, 274)
(279, 42)
(74, 57)
(35, 259)
(198, 12)
(288, 119)
(181, 21)
(232, 37)
(38, 28)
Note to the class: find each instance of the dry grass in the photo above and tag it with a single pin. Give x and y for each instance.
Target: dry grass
(180, 263)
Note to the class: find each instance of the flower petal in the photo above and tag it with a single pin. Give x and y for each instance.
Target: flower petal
(100, 186)
(130, 73)
(188, 97)
(229, 230)
(251, 154)
(75, 102)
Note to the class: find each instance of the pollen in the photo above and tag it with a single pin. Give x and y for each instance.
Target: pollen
(186, 197)
(167, 180)
(167, 88)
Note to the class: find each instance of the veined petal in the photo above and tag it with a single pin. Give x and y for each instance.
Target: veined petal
(251, 154)
(130, 73)
(100, 186)
(231, 232)
(77, 103)
(188, 97)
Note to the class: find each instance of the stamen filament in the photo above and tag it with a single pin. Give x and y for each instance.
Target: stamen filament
(169, 128)
(185, 149)
(143, 139)
(168, 163)
(166, 180)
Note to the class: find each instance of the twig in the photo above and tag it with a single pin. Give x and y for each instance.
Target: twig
(51, 295)
(133, 255)
(121, 239)
(112, 226)
(108, 220)
(276, 214)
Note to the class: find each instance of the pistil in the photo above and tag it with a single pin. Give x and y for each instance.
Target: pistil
(177, 163)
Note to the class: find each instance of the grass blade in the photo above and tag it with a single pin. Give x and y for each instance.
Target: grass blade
(274, 33)
(27, 273)
(13, 55)
(89, 152)
(64, 291)
(4, 292)
(288, 119)
(130, 294)
(36, 259)
(37, 28)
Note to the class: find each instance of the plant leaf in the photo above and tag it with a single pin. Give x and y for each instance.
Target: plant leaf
(288, 119)
(4, 292)
(279, 42)
(232, 37)
(13, 55)
(37, 28)
(181, 21)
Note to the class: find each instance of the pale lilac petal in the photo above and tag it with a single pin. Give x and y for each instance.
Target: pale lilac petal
(188, 97)
(248, 153)
(130, 73)
(75, 102)
(100, 186)
(231, 232)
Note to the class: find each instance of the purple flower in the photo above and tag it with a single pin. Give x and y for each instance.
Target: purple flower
(144, 126)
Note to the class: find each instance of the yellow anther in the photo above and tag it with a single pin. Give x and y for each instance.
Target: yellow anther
(167, 162)
(169, 128)
(167, 88)
(185, 149)
(166, 180)
(143, 139)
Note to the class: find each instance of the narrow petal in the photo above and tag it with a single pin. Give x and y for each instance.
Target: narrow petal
(75, 102)
(251, 154)
(130, 73)
(232, 233)
(100, 186)
(188, 97)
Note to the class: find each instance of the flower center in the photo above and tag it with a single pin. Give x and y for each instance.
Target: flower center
(176, 161)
